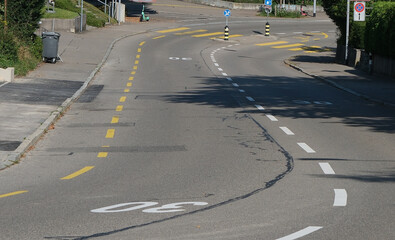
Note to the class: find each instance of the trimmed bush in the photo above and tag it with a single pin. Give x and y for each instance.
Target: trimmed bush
(380, 34)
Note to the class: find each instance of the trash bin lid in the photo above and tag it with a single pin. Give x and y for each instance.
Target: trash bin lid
(55, 34)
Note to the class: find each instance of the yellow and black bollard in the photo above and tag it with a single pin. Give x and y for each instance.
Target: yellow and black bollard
(226, 36)
(267, 30)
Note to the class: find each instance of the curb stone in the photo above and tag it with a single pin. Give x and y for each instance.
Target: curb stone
(332, 83)
(15, 156)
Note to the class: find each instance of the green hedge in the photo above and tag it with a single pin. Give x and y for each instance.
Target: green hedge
(380, 29)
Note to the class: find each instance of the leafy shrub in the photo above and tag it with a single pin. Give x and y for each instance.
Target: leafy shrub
(380, 34)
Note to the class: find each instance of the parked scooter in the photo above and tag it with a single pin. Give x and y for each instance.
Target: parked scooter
(143, 18)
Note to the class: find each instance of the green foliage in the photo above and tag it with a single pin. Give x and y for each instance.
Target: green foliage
(380, 34)
(59, 13)
(292, 2)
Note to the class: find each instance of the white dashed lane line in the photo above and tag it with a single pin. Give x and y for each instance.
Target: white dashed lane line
(260, 107)
(306, 147)
(287, 131)
(229, 79)
(250, 99)
(242, 91)
(326, 168)
(340, 198)
(235, 85)
(272, 118)
(300, 233)
(224, 74)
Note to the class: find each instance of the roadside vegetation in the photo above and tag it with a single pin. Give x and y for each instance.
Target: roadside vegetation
(20, 47)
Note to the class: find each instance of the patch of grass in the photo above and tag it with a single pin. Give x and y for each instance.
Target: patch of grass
(60, 13)
(283, 14)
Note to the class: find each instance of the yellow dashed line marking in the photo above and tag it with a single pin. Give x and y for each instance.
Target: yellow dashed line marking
(131, 78)
(191, 32)
(207, 34)
(139, 50)
(230, 36)
(135, 67)
(142, 43)
(296, 49)
(102, 154)
(136, 62)
(79, 172)
(122, 99)
(114, 119)
(110, 133)
(129, 84)
(271, 43)
(289, 45)
(12, 194)
(173, 30)
(316, 39)
(159, 37)
(126, 90)
(138, 56)
(133, 73)
(119, 108)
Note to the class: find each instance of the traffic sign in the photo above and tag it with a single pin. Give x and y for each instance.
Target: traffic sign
(359, 11)
(227, 13)
(268, 2)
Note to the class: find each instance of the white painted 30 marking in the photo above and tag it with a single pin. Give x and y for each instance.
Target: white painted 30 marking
(167, 208)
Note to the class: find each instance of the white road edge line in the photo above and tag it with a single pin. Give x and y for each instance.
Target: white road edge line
(260, 107)
(306, 147)
(272, 118)
(326, 168)
(300, 233)
(250, 99)
(287, 131)
(4, 84)
(340, 198)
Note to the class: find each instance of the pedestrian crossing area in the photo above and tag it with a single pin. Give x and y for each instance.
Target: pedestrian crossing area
(300, 44)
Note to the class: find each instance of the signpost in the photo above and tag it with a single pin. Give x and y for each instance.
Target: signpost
(268, 9)
(227, 15)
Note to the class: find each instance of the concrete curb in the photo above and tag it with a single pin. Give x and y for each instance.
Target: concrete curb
(332, 83)
(14, 157)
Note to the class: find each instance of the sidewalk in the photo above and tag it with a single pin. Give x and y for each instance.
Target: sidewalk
(374, 88)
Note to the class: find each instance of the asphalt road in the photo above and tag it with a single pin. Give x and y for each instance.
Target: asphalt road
(186, 137)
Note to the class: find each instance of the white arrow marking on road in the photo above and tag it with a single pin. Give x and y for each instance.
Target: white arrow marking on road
(300, 233)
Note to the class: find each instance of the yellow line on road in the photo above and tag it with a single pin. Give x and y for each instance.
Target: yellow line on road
(173, 30)
(115, 119)
(136, 62)
(158, 37)
(133, 72)
(129, 84)
(271, 43)
(138, 56)
(126, 90)
(230, 36)
(102, 154)
(289, 45)
(110, 133)
(79, 172)
(135, 67)
(142, 43)
(12, 194)
(207, 34)
(122, 99)
(139, 50)
(191, 32)
(131, 78)
(119, 108)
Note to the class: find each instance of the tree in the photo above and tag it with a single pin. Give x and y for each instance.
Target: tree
(23, 16)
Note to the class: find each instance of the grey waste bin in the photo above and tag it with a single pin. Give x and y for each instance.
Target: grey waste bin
(50, 46)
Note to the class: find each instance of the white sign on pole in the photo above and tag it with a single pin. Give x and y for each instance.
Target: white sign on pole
(359, 11)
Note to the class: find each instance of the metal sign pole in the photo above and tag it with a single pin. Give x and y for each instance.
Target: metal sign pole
(347, 29)
(82, 14)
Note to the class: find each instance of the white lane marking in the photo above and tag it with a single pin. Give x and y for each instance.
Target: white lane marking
(235, 84)
(224, 74)
(220, 69)
(326, 168)
(315, 31)
(297, 32)
(250, 99)
(340, 198)
(260, 107)
(237, 44)
(272, 118)
(280, 33)
(242, 91)
(306, 147)
(230, 45)
(287, 131)
(4, 84)
(229, 79)
(300, 233)
(216, 64)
